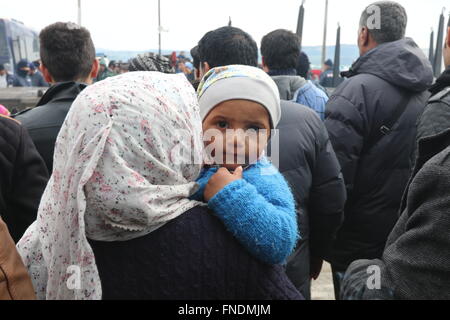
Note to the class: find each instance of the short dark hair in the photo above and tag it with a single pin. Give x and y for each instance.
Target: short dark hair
(303, 66)
(2, 67)
(281, 49)
(227, 46)
(195, 57)
(393, 21)
(67, 51)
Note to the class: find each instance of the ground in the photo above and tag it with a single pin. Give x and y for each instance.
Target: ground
(322, 289)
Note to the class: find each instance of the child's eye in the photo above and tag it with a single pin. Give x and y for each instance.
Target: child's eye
(222, 124)
(255, 128)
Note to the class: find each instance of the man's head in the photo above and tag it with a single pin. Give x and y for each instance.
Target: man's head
(33, 68)
(67, 53)
(196, 62)
(327, 65)
(2, 70)
(23, 68)
(280, 50)
(303, 66)
(447, 47)
(381, 22)
(227, 46)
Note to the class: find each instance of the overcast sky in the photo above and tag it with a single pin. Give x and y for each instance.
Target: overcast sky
(133, 24)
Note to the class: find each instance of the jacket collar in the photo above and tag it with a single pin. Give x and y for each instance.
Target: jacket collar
(441, 83)
(63, 91)
(428, 148)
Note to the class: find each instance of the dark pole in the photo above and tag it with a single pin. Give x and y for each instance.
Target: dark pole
(431, 52)
(337, 59)
(159, 28)
(301, 19)
(439, 45)
(230, 23)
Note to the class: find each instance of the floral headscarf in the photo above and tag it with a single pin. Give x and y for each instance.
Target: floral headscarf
(123, 168)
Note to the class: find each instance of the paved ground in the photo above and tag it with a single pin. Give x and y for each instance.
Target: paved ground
(322, 289)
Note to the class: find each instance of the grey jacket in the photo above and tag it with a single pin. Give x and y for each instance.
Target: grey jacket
(309, 164)
(416, 262)
(288, 85)
(436, 117)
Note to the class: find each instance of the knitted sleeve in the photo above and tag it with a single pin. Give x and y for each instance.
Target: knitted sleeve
(260, 212)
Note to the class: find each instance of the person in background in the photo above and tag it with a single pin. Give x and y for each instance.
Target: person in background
(327, 75)
(15, 282)
(6, 79)
(304, 71)
(69, 64)
(280, 55)
(436, 117)
(196, 65)
(22, 78)
(416, 261)
(151, 62)
(113, 67)
(104, 72)
(37, 79)
(305, 158)
(4, 111)
(372, 119)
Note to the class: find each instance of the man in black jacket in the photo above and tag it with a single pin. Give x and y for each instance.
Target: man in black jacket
(306, 159)
(371, 119)
(436, 117)
(23, 177)
(69, 63)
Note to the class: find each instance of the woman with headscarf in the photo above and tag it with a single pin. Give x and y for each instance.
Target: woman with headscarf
(116, 221)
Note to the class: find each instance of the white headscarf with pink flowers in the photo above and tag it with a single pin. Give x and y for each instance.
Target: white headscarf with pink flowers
(125, 164)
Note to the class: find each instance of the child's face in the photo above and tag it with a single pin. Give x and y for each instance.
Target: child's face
(245, 130)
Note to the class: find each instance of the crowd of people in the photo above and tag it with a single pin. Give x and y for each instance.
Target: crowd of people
(27, 74)
(235, 182)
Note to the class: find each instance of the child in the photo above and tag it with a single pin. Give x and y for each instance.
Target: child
(249, 195)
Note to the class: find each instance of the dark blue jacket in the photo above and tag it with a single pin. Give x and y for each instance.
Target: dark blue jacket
(191, 258)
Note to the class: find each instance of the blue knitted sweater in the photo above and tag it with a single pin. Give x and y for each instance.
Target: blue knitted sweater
(258, 210)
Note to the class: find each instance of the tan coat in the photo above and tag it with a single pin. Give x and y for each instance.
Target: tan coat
(15, 283)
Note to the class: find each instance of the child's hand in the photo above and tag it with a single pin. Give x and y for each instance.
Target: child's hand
(220, 180)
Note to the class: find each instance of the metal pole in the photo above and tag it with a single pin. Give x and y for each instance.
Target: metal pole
(337, 59)
(301, 18)
(324, 47)
(160, 28)
(431, 52)
(439, 46)
(79, 12)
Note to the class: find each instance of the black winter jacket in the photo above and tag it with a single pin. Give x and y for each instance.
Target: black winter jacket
(191, 258)
(376, 176)
(23, 177)
(45, 121)
(309, 164)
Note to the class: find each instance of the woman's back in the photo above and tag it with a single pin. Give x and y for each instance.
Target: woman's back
(190, 258)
